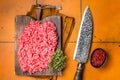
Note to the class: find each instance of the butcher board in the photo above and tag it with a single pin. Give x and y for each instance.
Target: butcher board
(20, 23)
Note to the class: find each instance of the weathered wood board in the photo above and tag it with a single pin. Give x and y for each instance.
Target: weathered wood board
(20, 22)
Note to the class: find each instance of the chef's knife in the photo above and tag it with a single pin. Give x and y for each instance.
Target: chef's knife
(83, 42)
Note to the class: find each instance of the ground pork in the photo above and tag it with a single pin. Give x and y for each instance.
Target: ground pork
(35, 46)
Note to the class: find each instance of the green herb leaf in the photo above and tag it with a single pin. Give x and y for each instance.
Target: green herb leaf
(57, 61)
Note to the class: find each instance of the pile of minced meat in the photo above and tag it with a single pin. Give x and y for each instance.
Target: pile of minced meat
(35, 46)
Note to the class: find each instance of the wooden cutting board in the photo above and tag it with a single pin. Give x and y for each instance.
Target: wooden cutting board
(20, 23)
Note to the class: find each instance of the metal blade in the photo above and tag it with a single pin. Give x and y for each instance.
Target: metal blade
(84, 37)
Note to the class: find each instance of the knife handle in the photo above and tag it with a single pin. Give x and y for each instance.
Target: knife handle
(79, 72)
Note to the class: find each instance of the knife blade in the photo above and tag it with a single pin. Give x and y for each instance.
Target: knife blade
(83, 42)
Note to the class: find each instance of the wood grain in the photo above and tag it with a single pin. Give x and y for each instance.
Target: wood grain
(21, 22)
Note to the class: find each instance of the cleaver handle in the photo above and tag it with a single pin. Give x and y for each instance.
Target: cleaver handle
(79, 72)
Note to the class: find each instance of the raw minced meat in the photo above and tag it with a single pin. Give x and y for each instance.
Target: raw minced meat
(35, 46)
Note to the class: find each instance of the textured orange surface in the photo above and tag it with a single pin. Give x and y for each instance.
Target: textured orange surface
(106, 17)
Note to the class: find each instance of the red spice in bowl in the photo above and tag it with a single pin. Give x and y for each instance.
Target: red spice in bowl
(98, 57)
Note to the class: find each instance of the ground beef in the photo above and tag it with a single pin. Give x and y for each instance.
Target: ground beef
(35, 46)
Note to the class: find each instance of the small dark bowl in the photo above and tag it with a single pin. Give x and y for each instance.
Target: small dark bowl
(103, 62)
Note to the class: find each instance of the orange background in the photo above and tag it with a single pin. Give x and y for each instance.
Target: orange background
(106, 17)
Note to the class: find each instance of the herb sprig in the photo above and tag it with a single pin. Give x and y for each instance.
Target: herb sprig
(57, 61)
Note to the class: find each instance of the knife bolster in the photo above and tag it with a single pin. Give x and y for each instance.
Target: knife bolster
(79, 72)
